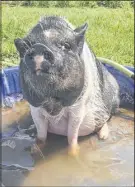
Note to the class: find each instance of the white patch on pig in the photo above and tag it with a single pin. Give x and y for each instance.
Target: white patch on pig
(38, 60)
(51, 33)
(47, 33)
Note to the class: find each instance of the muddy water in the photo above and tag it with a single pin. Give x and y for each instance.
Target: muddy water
(100, 163)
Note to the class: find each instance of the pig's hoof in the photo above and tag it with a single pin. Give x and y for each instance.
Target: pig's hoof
(104, 132)
(37, 147)
(73, 150)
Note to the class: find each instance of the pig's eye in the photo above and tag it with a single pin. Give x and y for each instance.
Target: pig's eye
(67, 46)
(64, 46)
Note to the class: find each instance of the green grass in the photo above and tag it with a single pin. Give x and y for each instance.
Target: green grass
(110, 32)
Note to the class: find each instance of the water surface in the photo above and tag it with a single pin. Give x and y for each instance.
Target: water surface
(100, 163)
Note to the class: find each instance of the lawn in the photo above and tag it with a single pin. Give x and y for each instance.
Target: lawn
(110, 32)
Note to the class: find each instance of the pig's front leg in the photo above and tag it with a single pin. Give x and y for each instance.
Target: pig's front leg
(74, 123)
(41, 124)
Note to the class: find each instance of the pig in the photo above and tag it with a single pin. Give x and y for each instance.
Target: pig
(69, 91)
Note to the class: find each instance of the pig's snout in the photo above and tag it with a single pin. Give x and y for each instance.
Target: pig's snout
(44, 57)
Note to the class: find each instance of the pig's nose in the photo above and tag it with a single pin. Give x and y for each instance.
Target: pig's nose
(45, 51)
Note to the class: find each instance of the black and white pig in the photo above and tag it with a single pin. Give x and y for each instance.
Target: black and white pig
(69, 91)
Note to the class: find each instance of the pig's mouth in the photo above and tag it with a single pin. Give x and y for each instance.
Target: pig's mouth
(51, 72)
(45, 72)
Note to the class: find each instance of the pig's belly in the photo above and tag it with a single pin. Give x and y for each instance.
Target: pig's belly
(61, 128)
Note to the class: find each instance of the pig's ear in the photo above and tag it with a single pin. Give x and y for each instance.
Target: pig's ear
(21, 46)
(80, 32)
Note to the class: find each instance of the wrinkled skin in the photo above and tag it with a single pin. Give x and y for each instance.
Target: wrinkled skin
(70, 93)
